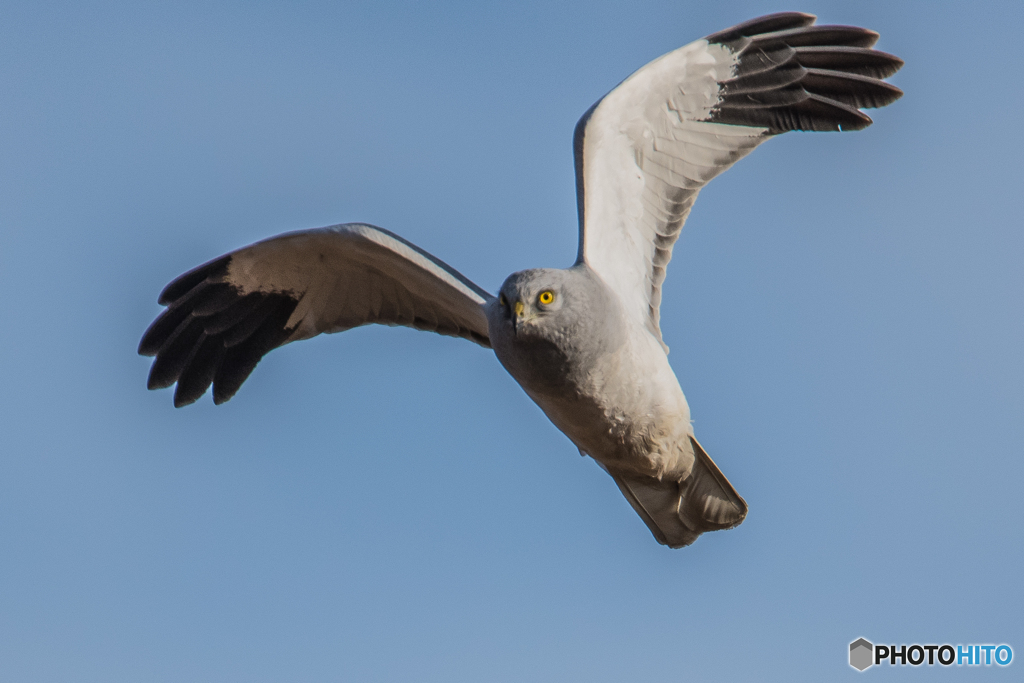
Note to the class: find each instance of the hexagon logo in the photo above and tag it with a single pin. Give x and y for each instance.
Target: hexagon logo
(861, 654)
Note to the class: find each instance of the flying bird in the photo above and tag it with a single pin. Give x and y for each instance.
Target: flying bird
(583, 342)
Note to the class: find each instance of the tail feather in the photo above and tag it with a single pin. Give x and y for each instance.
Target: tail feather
(678, 511)
(708, 496)
(657, 503)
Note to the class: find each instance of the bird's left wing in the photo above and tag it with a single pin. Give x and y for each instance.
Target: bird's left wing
(225, 315)
(645, 150)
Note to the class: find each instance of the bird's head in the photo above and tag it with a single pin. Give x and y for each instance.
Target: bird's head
(534, 304)
(565, 308)
(549, 326)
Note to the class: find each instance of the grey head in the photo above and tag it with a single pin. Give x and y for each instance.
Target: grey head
(550, 326)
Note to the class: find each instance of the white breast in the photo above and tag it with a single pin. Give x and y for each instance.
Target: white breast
(630, 413)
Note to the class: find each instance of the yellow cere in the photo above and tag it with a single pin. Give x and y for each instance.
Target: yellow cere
(501, 299)
(546, 297)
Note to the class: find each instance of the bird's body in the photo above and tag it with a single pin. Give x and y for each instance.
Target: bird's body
(606, 384)
(584, 342)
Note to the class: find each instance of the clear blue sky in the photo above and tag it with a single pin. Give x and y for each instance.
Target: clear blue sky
(844, 312)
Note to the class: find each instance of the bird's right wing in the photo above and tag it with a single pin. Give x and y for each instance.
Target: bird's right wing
(645, 150)
(225, 315)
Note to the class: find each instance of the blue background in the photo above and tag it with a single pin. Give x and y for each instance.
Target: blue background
(844, 313)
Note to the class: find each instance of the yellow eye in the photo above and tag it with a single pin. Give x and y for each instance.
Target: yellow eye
(501, 300)
(546, 297)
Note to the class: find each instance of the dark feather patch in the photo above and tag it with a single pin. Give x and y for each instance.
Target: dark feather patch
(780, 75)
(852, 89)
(183, 283)
(850, 36)
(778, 97)
(161, 329)
(212, 334)
(175, 352)
(765, 58)
(168, 321)
(239, 361)
(766, 24)
(803, 77)
(852, 60)
(234, 314)
(252, 322)
(199, 370)
(813, 113)
(219, 296)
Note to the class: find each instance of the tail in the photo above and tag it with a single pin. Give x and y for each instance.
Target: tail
(677, 512)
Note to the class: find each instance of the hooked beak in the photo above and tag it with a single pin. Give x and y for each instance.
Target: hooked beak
(518, 310)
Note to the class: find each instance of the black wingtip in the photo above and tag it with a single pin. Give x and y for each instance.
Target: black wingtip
(769, 23)
(212, 333)
(804, 77)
